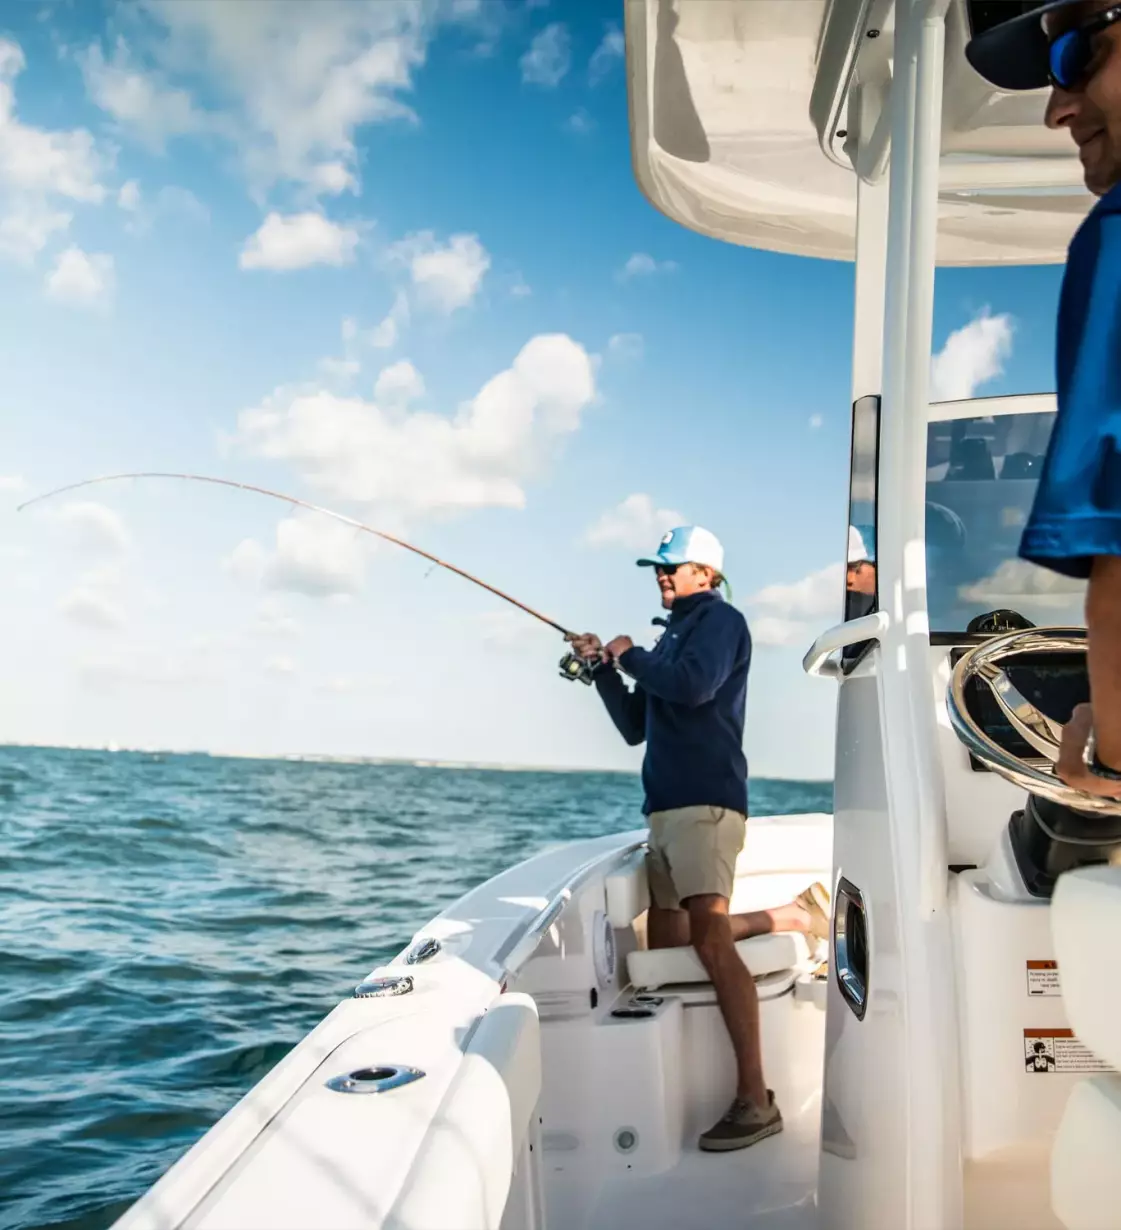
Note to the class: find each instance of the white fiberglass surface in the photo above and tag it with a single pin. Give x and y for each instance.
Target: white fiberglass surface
(982, 472)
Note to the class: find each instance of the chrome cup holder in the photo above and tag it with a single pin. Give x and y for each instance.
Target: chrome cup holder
(383, 988)
(423, 950)
(378, 1079)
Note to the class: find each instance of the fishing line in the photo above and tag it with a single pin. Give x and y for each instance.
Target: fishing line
(327, 512)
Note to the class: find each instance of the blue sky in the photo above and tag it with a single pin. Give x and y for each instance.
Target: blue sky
(391, 258)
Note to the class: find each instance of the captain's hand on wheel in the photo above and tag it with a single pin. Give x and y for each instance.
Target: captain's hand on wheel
(1071, 767)
(585, 645)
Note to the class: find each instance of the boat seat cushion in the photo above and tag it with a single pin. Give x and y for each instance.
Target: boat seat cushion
(765, 954)
(1085, 915)
(1084, 1157)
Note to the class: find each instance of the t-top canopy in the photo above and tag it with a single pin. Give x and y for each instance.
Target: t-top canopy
(747, 117)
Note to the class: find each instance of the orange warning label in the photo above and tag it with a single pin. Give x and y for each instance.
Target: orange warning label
(1043, 978)
(1058, 1050)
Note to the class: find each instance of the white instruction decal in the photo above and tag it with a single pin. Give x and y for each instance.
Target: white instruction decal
(1058, 1050)
(1043, 978)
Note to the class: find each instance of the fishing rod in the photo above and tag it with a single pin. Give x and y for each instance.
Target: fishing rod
(572, 667)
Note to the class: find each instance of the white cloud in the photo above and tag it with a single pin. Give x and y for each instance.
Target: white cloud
(548, 58)
(776, 631)
(520, 289)
(337, 684)
(92, 527)
(298, 241)
(144, 666)
(38, 166)
(280, 665)
(609, 53)
(12, 482)
(398, 384)
(88, 607)
(39, 160)
(384, 336)
(819, 593)
(642, 264)
(80, 278)
(171, 201)
(971, 356)
(140, 101)
(580, 122)
(128, 197)
(313, 556)
(296, 81)
(784, 614)
(1017, 579)
(273, 620)
(816, 421)
(447, 276)
(635, 523)
(27, 230)
(625, 345)
(420, 462)
(508, 628)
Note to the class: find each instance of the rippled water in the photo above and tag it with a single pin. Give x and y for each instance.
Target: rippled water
(172, 925)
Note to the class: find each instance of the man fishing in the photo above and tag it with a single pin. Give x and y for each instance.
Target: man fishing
(688, 705)
(1075, 523)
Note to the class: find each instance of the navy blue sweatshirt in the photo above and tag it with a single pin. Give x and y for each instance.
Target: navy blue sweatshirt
(688, 705)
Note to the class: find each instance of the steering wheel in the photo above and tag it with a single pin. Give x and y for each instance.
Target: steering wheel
(1037, 729)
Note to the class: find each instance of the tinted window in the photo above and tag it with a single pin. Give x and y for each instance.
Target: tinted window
(980, 483)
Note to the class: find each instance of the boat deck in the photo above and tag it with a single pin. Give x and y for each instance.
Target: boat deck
(767, 1187)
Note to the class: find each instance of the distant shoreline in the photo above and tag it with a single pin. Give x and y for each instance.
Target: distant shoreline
(384, 761)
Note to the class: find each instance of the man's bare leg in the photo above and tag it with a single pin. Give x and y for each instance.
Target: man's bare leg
(670, 928)
(711, 930)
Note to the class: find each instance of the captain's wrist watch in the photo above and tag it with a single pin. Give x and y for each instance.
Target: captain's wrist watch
(1093, 764)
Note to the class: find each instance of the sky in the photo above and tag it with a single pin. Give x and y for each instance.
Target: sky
(391, 258)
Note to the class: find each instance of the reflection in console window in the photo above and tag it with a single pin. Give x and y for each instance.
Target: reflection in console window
(980, 483)
(860, 570)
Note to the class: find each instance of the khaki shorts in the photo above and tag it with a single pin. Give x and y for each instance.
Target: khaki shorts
(692, 851)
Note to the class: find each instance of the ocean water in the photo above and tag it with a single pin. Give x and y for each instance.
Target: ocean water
(172, 924)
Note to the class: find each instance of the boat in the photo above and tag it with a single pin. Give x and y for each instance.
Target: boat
(526, 1062)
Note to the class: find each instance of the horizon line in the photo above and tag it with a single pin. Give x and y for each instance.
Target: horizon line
(417, 762)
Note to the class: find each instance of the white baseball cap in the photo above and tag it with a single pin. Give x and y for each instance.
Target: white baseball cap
(858, 552)
(688, 544)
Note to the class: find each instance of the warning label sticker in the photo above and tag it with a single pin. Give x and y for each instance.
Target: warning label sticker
(1043, 978)
(1058, 1050)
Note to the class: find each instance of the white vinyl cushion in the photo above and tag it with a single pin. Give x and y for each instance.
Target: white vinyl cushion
(1085, 921)
(765, 954)
(1086, 1157)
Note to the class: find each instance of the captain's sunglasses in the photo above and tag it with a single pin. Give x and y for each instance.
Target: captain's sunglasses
(665, 570)
(1071, 54)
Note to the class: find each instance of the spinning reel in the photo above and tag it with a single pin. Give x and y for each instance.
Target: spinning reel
(573, 668)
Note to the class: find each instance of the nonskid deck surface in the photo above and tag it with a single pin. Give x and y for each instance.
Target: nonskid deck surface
(769, 1186)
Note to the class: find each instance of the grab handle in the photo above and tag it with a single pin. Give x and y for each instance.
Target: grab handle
(867, 628)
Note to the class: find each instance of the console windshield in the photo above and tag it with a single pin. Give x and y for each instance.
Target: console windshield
(981, 478)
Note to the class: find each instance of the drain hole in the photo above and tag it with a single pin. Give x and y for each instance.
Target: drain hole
(632, 1014)
(373, 1074)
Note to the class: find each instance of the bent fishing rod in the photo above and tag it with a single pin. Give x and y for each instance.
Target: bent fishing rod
(572, 667)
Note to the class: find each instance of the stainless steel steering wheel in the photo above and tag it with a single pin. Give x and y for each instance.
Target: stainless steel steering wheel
(1035, 728)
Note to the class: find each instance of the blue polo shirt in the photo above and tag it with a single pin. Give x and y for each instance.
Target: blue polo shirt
(1077, 510)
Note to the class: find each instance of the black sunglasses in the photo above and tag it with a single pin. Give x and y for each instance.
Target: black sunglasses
(1071, 54)
(665, 570)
